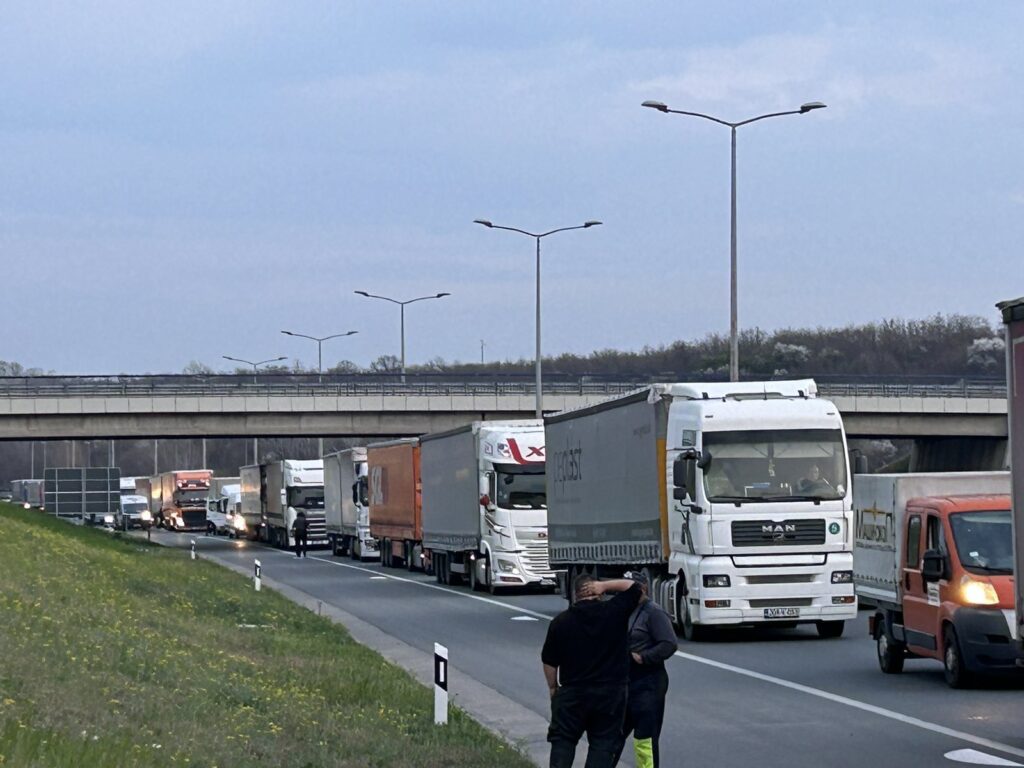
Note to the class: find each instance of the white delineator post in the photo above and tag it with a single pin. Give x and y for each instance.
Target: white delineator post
(440, 685)
(193, 549)
(257, 570)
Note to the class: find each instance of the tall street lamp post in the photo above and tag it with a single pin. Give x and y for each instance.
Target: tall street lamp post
(254, 365)
(401, 305)
(319, 347)
(734, 347)
(539, 408)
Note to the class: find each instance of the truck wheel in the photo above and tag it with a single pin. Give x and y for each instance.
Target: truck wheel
(410, 557)
(957, 675)
(385, 553)
(474, 580)
(891, 653)
(692, 632)
(830, 629)
(355, 550)
(438, 559)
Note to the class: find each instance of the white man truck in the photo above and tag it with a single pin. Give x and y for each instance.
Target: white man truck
(346, 505)
(733, 498)
(484, 507)
(1013, 316)
(293, 486)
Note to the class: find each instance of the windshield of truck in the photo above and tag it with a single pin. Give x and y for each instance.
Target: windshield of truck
(134, 508)
(984, 541)
(521, 487)
(306, 498)
(191, 498)
(775, 465)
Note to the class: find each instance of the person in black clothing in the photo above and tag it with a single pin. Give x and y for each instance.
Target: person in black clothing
(299, 531)
(652, 641)
(586, 664)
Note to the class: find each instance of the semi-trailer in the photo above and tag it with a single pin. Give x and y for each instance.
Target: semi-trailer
(28, 493)
(733, 498)
(933, 552)
(1013, 317)
(183, 499)
(395, 512)
(293, 486)
(484, 508)
(249, 519)
(346, 504)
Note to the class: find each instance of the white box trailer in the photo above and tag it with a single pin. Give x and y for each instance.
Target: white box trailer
(1013, 317)
(346, 504)
(484, 504)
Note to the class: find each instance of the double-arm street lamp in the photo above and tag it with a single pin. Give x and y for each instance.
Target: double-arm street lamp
(254, 365)
(734, 348)
(401, 305)
(319, 347)
(537, 237)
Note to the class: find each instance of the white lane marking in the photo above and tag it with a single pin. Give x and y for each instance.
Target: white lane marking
(374, 578)
(522, 618)
(439, 588)
(853, 703)
(975, 757)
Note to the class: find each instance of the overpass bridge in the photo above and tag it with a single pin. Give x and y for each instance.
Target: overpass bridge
(367, 405)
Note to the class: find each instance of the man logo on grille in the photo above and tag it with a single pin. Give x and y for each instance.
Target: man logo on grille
(778, 531)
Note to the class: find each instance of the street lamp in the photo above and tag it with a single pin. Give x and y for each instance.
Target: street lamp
(319, 347)
(734, 345)
(539, 408)
(254, 365)
(402, 304)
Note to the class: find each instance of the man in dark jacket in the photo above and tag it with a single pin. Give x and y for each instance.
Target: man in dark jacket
(652, 641)
(586, 664)
(299, 531)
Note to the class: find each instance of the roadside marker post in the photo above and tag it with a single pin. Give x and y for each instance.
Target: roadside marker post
(256, 575)
(193, 549)
(440, 685)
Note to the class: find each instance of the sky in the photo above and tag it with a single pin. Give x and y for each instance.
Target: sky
(183, 180)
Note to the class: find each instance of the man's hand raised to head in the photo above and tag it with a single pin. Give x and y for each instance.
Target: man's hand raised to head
(598, 588)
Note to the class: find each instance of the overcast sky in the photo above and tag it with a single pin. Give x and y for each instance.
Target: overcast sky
(183, 180)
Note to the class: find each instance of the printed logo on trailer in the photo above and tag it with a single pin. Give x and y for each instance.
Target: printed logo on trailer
(534, 454)
(568, 464)
(377, 485)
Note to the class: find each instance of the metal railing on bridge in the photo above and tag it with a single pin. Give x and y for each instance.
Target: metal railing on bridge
(441, 384)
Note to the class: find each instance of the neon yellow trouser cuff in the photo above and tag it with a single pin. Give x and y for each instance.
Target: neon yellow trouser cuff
(644, 751)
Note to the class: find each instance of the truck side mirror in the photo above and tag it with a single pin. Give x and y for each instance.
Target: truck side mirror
(933, 565)
(684, 473)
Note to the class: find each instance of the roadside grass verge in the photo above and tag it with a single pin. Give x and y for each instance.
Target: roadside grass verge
(118, 653)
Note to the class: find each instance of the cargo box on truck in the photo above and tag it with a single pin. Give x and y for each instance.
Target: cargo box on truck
(732, 497)
(933, 554)
(346, 504)
(484, 507)
(1013, 316)
(249, 520)
(395, 514)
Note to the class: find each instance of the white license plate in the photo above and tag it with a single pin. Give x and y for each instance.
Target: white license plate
(782, 613)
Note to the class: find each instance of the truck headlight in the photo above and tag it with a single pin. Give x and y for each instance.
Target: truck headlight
(506, 566)
(976, 592)
(717, 581)
(842, 577)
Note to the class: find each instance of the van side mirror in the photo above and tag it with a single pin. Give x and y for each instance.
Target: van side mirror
(933, 565)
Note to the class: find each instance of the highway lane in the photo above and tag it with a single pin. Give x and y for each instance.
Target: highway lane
(716, 715)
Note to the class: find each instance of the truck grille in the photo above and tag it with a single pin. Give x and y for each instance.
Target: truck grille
(316, 527)
(784, 533)
(535, 557)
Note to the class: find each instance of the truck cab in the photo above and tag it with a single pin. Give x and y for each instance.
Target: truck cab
(957, 588)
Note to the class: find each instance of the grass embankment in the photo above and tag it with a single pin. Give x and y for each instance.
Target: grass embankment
(117, 653)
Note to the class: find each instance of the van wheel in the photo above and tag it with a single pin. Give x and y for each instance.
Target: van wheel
(957, 675)
(830, 630)
(891, 653)
(692, 632)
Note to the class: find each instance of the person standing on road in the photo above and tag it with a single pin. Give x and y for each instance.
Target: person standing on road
(586, 664)
(652, 641)
(299, 531)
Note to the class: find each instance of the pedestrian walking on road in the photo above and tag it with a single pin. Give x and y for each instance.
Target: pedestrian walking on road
(299, 531)
(586, 664)
(652, 641)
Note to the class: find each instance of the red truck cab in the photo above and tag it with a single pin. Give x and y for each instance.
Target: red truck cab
(957, 588)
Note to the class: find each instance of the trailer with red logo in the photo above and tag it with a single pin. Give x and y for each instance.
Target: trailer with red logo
(485, 505)
(394, 483)
(1013, 316)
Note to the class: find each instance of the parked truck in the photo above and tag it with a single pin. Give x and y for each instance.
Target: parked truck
(249, 520)
(346, 504)
(395, 513)
(183, 499)
(28, 493)
(484, 506)
(291, 486)
(1013, 316)
(934, 554)
(733, 498)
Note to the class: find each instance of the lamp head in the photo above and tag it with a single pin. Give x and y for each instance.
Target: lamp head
(810, 105)
(442, 295)
(287, 333)
(588, 224)
(485, 222)
(361, 293)
(661, 107)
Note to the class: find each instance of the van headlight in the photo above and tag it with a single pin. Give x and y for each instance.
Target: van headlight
(239, 523)
(976, 592)
(108, 519)
(146, 516)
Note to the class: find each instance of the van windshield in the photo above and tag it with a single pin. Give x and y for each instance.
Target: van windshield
(521, 487)
(775, 465)
(984, 541)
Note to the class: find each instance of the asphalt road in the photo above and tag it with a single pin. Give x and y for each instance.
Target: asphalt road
(749, 697)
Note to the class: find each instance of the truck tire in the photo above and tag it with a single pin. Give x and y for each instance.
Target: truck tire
(474, 581)
(891, 653)
(830, 630)
(438, 559)
(410, 557)
(957, 674)
(355, 549)
(695, 633)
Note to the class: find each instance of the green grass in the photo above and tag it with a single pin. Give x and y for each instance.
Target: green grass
(117, 653)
